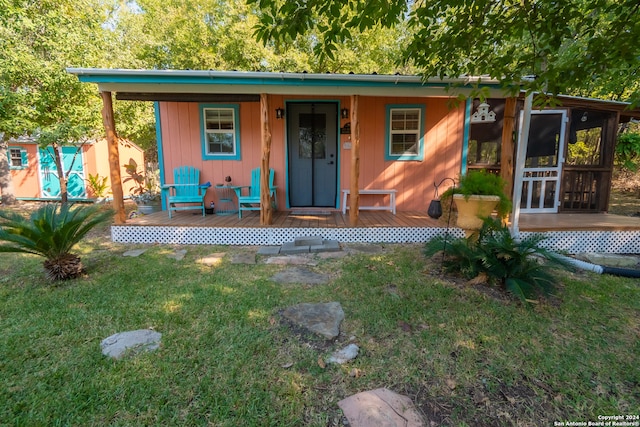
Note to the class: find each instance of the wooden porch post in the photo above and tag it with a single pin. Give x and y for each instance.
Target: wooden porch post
(506, 155)
(114, 157)
(354, 205)
(266, 212)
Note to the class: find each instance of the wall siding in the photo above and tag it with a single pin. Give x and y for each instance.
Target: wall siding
(181, 137)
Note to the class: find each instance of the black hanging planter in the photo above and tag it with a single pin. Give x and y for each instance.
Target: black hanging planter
(435, 209)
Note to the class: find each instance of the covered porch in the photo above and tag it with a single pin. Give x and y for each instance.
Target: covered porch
(568, 232)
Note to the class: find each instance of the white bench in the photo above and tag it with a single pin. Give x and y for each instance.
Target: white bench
(392, 201)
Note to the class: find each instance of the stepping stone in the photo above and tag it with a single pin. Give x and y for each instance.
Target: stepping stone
(178, 255)
(293, 248)
(348, 353)
(300, 275)
(326, 246)
(244, 258)
(332, 255)
(307, 241)
(134, 252)
(323, 319)
(290, 260)
(130, 343)
(213, 259)
(380, 407)
(269, 250)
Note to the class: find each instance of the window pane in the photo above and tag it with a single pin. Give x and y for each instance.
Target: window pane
(16, 157)
(220, 143)
(405, 131)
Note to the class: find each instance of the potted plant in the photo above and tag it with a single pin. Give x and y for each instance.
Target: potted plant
(478, 193)
(146, 192)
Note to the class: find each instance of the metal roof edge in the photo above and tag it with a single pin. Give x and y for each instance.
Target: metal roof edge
(121, 73)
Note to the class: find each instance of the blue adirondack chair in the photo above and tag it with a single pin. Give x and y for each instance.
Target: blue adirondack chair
(186, 190)
(249, 200)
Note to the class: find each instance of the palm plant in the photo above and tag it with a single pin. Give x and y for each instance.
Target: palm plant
(521, 267)
(51, 232)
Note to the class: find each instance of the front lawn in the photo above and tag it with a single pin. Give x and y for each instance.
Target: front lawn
(463, 355)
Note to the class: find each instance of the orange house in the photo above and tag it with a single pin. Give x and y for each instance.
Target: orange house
(412, 134)
(35, 175)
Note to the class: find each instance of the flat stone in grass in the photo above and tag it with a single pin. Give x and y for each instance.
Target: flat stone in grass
(323, 319)
(344, 355)
(213, 259)
(380, 408)
(300, 275)
(130, 343)
(178, 254)
(243, 258)
(134, 252)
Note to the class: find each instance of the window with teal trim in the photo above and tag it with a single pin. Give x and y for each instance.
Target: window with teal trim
(17, 158)
(405, 132)
(220, 132)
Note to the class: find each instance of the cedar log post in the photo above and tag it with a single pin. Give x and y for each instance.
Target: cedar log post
(266, 212)
(114, 157)
(354, 203)
(506, 154)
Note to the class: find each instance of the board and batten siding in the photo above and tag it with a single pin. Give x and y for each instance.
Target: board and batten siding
(443, 134)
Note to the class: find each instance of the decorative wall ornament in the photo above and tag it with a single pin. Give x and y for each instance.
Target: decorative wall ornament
(483, 115)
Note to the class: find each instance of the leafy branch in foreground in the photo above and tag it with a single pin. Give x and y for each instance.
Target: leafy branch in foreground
(51, 232)
(521, 267)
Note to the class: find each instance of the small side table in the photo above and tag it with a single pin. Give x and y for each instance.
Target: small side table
(226, 200)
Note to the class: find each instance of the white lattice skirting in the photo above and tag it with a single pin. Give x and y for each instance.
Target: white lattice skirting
(620, 242)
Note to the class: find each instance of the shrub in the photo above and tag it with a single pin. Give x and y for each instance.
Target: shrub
(521, 267)
(51, 232)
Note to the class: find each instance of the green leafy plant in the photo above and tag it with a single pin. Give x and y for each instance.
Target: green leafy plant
(627, 152)
(483, 183)
(145, 189)
(98, 185)
(521, 267)
(51, 232)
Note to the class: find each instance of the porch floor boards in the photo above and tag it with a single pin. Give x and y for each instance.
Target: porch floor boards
(368, 219)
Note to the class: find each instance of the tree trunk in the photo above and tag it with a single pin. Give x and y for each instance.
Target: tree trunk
(114, 157)
(6, 180)
(62, 178)
(266, 212)
(354, 206)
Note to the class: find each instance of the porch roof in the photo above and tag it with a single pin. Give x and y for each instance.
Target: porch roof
(145, 82)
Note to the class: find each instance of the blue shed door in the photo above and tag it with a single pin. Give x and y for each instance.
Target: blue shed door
(49, 173)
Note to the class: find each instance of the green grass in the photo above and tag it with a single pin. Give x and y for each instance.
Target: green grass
(464, 356)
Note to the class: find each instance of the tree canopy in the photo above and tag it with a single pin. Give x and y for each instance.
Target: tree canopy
(584, 47)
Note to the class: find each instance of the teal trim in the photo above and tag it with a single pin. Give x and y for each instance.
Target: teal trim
(387, 132)
(278, 80)
(156, 111)
(236, 126)
(465, 135)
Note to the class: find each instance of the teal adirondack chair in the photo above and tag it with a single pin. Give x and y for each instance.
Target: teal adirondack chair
(186, 190)
(250, 200)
